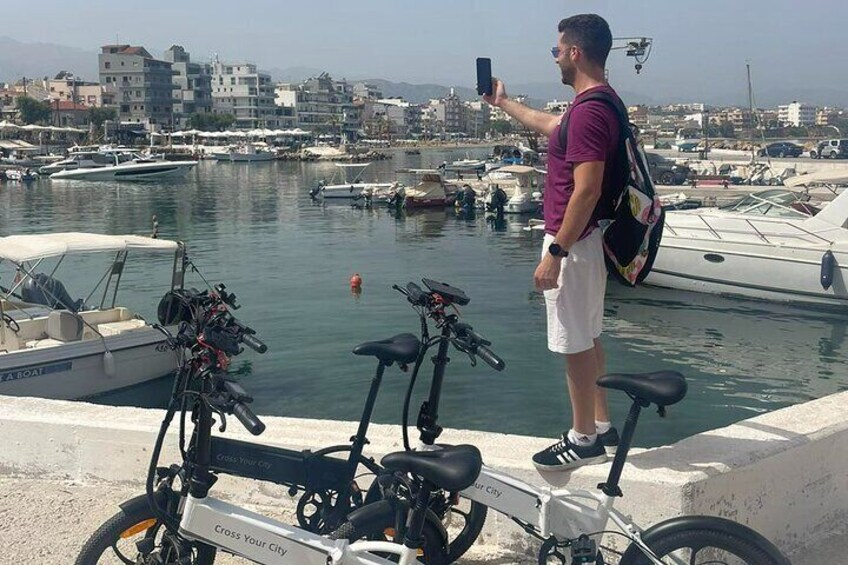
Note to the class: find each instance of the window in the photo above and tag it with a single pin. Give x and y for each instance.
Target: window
(108, 64)
(138, 93)
(125, 108)
(122, 63)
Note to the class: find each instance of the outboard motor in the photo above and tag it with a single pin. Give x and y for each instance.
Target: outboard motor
(497, 202)
(44, 289)
(466, 197)
(313, 194)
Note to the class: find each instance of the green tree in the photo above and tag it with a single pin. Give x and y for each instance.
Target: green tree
(210, 122)
(32, 111)
(726, 130)
(501, 127)
(99, 115)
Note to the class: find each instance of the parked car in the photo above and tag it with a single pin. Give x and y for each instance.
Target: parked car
(687, 146)
(666, 171)
(830, 149)
(782, 149)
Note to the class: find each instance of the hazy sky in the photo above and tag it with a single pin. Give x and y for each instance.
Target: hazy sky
(699, 46)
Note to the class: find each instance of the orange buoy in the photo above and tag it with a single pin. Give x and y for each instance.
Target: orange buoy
(356, 281)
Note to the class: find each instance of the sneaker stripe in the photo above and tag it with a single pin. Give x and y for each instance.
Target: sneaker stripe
(562, 457)
(573, 455)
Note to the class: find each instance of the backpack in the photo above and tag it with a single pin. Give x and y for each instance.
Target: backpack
(633, 230)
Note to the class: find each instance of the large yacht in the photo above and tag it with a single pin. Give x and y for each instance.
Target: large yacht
(113, 164)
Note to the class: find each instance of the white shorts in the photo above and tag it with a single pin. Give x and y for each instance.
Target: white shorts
(576, 307)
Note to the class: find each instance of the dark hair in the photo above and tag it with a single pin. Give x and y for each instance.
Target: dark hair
(589, 32)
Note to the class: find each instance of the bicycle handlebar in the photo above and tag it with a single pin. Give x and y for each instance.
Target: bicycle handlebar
(254, 343)
(248, 418)
(490, 358)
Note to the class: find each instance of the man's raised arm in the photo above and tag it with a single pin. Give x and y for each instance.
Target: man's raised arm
(536, 120)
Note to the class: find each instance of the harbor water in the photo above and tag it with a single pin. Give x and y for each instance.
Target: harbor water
(289, 260)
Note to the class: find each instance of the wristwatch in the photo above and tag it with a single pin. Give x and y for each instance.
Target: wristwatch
(556, 250)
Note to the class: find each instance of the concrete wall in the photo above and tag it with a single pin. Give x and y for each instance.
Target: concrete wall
(784, 473)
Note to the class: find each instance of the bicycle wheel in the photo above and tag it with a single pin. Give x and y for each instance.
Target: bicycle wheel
(381, 528)
(705, 546)
(133, 535)
(462, 518)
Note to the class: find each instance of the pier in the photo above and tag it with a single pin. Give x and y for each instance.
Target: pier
(65, 466)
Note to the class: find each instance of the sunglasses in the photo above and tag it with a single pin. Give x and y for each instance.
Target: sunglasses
(557, 51)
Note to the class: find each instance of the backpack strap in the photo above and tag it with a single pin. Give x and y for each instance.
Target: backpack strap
(623, 126)
(620, 110)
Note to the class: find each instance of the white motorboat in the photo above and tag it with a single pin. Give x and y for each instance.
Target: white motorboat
(347, 183)
(822, 178)
(245, 153)
(20, 175)
(764, 246)
(522, 185)
(55, 346)
(85, 157)
(430, 191)
(466, 165)
(122, 166)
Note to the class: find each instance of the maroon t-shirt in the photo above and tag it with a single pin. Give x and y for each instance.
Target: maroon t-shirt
(593, 135)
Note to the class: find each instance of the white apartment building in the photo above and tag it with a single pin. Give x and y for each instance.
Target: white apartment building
(285, 98)
(326, 105)
(557, 107)
(796, 115)
(65, 86)
(498, 115)
(242, 91)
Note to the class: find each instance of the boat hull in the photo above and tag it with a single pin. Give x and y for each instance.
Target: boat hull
(412, 203)
(138, 171)
(77, 370)
(354, 190)
(765, 272)
(242, 158)
(520, 206)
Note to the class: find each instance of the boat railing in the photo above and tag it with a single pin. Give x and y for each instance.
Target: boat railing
(759, 232)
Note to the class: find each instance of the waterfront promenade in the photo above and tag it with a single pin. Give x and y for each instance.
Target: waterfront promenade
(64, 467)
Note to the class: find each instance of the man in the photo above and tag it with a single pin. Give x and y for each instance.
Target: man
(572, 272)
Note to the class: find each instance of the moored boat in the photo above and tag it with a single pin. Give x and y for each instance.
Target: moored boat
(53, 345)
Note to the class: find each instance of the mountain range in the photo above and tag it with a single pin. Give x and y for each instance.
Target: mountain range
(19, 59)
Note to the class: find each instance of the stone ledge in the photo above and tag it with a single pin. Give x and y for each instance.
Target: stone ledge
(783, 473)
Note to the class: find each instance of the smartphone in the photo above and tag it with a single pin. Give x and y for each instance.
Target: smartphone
(484, 75)
(452, 293)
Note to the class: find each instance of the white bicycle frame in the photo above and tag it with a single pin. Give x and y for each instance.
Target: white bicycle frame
(562, 513)
(263, 540)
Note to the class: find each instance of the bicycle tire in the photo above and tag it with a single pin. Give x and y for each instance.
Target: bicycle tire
(750, 550)
(376, 529)
(475, 519)
(135, 512)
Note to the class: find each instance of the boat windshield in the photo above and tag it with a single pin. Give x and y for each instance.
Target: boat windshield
(777, 203)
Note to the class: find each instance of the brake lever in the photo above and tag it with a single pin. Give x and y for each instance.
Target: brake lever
(466, 348)
(220, 412)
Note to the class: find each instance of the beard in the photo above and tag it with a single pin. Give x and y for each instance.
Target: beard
(567, 75)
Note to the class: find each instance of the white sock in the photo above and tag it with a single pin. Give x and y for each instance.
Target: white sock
(602, 427)
(582, 440)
